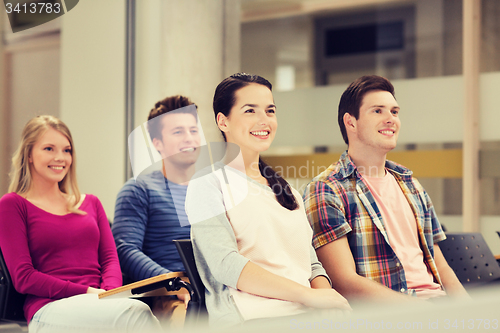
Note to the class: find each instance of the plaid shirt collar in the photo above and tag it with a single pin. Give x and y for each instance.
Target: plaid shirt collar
(346, 168)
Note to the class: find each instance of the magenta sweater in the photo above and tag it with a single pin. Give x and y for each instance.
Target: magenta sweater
(51, 257)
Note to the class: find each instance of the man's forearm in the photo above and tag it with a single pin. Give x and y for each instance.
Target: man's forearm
(452, 284)
(450, 281)
(338, 262)
(355, 287)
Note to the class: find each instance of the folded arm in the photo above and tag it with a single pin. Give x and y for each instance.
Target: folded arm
(256, 280)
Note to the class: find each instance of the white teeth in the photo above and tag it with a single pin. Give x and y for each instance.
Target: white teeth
(387, 132)
(188, 149)
(260, 133)
(57, 167)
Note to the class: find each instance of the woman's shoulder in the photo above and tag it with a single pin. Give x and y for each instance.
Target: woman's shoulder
(91, 204)
(13, 204)
(206, 177)
(89, 198)
(11, 198)
(295, 192)
(297, 195)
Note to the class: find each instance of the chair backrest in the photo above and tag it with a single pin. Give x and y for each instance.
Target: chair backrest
(11, 302)
(185, 249)
(470, 258)
(197, 310)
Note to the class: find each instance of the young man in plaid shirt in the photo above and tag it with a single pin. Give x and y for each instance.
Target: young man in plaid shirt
(375, 228)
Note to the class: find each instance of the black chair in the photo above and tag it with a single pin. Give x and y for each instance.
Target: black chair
(11, 303)
(196, 311)
(470, 258)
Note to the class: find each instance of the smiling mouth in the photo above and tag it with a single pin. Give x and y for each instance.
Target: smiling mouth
(188, 149)
(56, 167)
(260, 133)
(388, 132)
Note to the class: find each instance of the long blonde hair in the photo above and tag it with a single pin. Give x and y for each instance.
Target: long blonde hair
(20, 175)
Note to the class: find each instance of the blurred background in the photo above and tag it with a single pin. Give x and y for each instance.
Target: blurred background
(103, 65)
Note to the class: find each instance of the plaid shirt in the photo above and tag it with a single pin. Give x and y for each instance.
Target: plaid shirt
(338, 202)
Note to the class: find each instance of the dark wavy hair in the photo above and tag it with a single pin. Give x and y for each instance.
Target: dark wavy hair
(224, 99)
(170, 104)
(351, 99)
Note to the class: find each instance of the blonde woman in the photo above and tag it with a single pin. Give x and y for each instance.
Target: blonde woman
(57, 243)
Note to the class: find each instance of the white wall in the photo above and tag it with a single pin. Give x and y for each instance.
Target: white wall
(308, 117)
(29, 97)
(431, 109)
(489, 103)
(272, 43)
(31, 89)
(187, 48)
(149, 59)
(182, 47)
(429, 45)
(93, 94)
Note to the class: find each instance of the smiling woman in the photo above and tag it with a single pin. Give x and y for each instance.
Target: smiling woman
(40, 137)
(57, 244)
(255, 257)
(50, 158)
(252, 124)
(246, 116)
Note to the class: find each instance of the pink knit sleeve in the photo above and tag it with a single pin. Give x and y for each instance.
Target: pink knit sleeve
(108, 257)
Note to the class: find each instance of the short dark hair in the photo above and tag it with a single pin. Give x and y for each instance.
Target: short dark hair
(351, 99)
(170, 104)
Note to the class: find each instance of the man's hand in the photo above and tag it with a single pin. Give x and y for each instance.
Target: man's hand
(185, 298)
